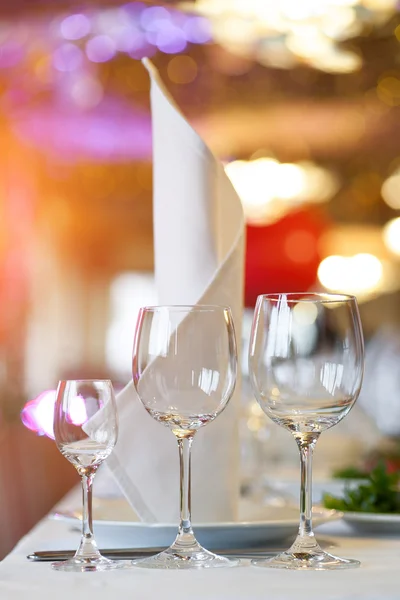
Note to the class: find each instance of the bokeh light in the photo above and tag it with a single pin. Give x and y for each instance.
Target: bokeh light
(182, 69)
(71, 42)
(391, 190)
(144, 50)
(67, 57)
(358, 274)
(154, 18)
(197, 30)
(391, 236)
(86, 91)
(269, 189)
(288, 32)
(126, 37)
(300, 246)
(75, 27)
(305, 313)
(171, 40)
(100, 48)
(388, 90)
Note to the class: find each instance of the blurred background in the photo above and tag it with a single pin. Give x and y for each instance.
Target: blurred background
(300, 100)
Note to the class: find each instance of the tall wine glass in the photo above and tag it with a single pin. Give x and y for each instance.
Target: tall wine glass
(184, 371)
(85, 430)
(306, 360)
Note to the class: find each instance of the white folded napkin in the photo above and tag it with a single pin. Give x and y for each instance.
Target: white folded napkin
(380, 391)
(199, 259)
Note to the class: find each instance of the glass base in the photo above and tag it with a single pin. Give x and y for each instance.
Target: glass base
(83, 564)
(318, 560)
(177, 558)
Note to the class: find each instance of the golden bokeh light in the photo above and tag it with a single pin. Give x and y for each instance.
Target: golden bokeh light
(391, 190)
(182, 69)
(269, 189)
(388, 90)
(280, 34)
(391, 236)
(358, 274)
(305, 313)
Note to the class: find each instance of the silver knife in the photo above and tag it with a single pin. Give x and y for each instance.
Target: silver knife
(131, 553)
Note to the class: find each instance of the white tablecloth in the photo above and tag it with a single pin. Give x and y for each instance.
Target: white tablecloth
(378, 577)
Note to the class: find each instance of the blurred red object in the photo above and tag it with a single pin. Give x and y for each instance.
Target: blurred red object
(284, 256)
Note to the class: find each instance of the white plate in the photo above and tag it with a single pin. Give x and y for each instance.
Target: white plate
(377, 523)
(277, 524)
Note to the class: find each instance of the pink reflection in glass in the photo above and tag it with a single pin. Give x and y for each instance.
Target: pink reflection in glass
(67, 57)
(77, 413)
(75, 27)
(37, 414)
(101, 48)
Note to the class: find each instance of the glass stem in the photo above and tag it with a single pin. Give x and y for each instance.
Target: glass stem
(306, 444)
(88, 547)
(185, 538)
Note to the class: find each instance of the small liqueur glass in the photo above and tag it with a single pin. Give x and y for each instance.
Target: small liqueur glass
(86, 430)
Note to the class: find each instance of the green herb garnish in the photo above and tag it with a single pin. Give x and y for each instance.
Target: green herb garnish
(378, 493)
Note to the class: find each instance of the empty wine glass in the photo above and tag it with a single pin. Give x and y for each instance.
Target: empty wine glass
(184, 371)
(85, 430)
(306, 360)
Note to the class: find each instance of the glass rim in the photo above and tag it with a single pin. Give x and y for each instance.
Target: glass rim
(323, 297)
(185, 307)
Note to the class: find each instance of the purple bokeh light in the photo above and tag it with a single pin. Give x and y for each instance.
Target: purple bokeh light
(133, 9)
(85, 91)
(100, 48)
(143, 50)
(154, 17)
(114, 131)
(197, 30)
(127, 38)
(171, 40)
(75, 27)
(67, 57)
